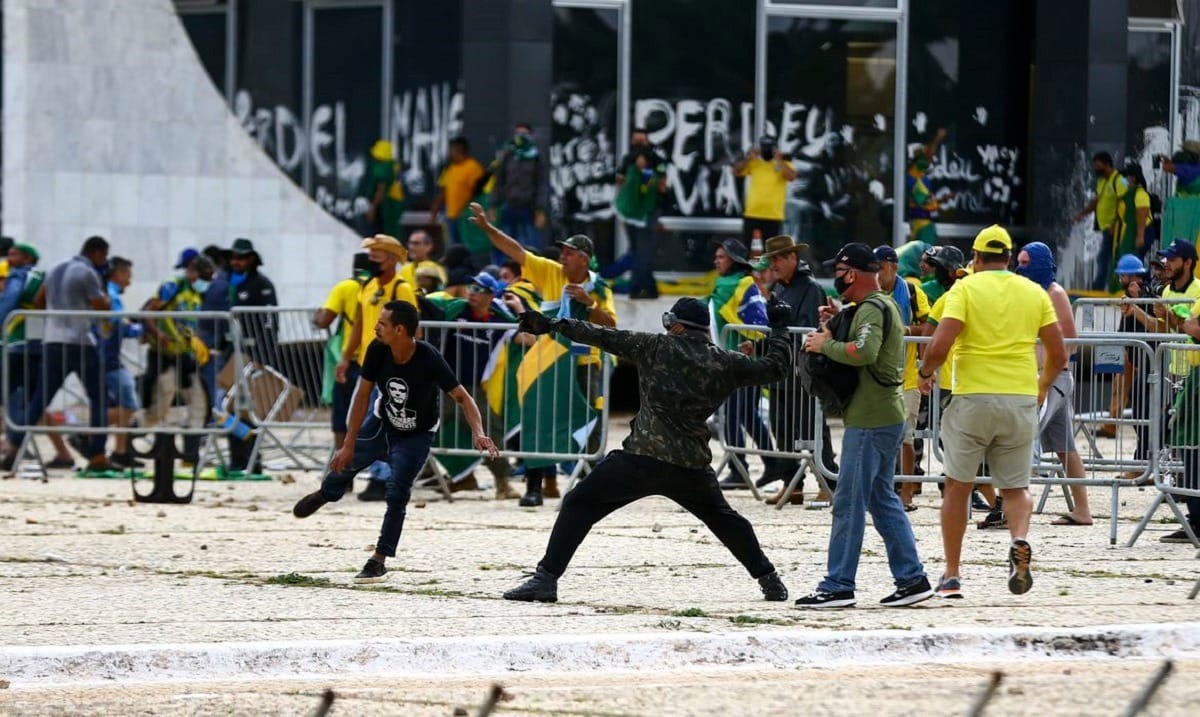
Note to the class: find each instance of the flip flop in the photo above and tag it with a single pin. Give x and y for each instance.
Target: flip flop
(909, 508)
(1065, 519)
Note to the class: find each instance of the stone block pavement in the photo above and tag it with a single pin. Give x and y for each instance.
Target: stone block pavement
(232, 591)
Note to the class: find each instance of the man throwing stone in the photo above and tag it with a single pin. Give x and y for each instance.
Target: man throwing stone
(994, 319)
(875, 421)
(682, 379)
(400, 428)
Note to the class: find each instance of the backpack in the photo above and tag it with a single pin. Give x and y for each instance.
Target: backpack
(833, 383)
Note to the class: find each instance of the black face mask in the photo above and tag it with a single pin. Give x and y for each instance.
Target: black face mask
(1099, 172)
(840, 284)
(375, 268)
(767, 149)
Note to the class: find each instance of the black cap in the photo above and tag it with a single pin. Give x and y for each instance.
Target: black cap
(1181, 248)
(580, 243)
(736, 251)
(692, 313)
(855, 255)
(459, 276)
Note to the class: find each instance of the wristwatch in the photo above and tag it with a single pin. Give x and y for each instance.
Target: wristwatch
(921, 372)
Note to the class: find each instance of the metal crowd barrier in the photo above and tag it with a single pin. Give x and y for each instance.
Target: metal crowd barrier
(542, 399)
(142, 373)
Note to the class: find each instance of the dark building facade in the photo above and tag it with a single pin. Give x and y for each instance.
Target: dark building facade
(1026, 89)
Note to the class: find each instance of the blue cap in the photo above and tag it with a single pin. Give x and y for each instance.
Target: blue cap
(488, 282)
(185, 257)
(887, 253)
(1181, 248)
(1130, 264)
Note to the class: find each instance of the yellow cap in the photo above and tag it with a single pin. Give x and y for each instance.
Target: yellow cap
(993, 240)
(382, 151)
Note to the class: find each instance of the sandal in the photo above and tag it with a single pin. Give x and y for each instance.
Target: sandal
(1066, 519)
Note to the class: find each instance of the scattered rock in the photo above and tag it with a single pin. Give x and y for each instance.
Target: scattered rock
(176, 556)
(419, 504)
(52, 558)
(30, 521)
(4, 684)
(106, 503)
(287, 479)
(252, 508)
(694, 530)
(460, 712)
(204, 547)
(166, 535)
(162, 514)
(657, 528)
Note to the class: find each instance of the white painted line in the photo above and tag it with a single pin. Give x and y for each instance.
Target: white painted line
(496, 655)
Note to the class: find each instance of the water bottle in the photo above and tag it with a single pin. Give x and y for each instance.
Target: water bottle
(233, 424)
(756, 244)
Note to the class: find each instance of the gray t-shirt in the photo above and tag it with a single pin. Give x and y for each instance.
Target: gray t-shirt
(71, 286)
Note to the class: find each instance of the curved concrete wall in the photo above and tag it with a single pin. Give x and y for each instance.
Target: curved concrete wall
(112, 127)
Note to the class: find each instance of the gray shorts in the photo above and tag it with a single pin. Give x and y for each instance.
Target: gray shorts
(997, 428)
(1056, 421)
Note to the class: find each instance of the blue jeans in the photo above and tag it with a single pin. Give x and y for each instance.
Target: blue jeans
(517, 222)
(742, 416)
(1104, 261)
(405, 454)
(453, 232)
(865, 485)
(644, 245)
(58, 362)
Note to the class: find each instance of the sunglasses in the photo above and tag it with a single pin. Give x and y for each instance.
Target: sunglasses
(477, 289)
(375, 299)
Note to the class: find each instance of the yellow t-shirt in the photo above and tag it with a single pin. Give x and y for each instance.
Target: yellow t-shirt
(547, 275)
(946, 372)
(1002, 314)
(1182, 361)
(766, 189)
(458, 184)
(370, 302)
(343, 301)
(910, 349)
(408, 272)
(1109, 191)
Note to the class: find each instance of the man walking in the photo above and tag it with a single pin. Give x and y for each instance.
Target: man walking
(875, 420)
(682, 379)
(994, 318)
(641, 181)
(1110, 191)
(400, 427)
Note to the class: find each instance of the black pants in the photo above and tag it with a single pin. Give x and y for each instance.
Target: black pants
(793, 418)
(622, 478)
(766, 228)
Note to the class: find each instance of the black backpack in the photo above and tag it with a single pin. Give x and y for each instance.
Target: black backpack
(833, 383)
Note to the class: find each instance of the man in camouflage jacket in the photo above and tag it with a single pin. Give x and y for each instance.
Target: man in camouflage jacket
(682, 379)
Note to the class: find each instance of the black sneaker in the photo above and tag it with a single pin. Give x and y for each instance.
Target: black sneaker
(531, 499)
(1179, 536)
(978, 503)
(372, 572)
(540, 587)
(1020, 555)
(772, 587)
(309, 504)
(733, 481)
(909, 595)
(375, 490)
(994, 520)
(124, 460)
(822, 599)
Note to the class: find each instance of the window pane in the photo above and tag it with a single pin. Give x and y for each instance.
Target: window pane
(978, 174)
(583, 137)
(844, 3)
(207, 33)
(830, 104)
(1147, 123)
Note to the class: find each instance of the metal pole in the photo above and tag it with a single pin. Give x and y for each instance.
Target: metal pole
(899, 126)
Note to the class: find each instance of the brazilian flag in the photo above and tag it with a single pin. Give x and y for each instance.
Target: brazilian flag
(555, 415)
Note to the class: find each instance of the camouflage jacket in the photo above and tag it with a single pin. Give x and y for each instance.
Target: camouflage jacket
(681, 381)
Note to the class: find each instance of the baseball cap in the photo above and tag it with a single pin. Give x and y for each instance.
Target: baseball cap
(1130, 264)
(736, 251)
(856, 255)
(690, 312)
(489, 282)
(29, 250)
(887, 253)
(1181, 248)
(993, 240)
(185, 257)
(580, 243)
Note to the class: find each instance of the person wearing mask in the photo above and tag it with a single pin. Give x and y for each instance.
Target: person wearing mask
(177, 353)
(1110, 191)
(69, 347)
(120, 388)
(249, 287)
(569, 290)
(942, 263)
(792, 412)
(456, 189)
(384, 254)
(994, 319)
(921, 205)
(914, 309)
(520, 189)
(682, 380)
(735, 300)
(874, 423)
(215, 299)
(1056, 424)
(641, 180)
(767, 174)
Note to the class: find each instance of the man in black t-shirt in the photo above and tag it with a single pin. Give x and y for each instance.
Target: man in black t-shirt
(400, 427)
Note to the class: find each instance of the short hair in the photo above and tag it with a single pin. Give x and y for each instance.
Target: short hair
(202, 265)
(119, 262)
(635, 130)
(523, 125)
(512, 266)
(1103, 157)
(403, 314)
(94, 244)
(996, 257)
(461, 142)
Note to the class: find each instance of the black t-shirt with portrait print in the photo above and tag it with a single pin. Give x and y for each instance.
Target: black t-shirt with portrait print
(408, 392)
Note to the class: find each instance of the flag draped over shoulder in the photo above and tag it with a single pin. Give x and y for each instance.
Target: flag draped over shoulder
(555, 415)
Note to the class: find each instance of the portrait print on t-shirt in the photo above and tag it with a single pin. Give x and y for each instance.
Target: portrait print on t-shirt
(400, 417)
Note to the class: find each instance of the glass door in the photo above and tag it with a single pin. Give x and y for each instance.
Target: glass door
(1150, 124)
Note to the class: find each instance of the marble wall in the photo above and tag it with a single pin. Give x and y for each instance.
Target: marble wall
(112, 127)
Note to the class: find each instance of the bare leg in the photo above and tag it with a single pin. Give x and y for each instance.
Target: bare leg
(956, 504)
(988, 493)
(908, 463)
(1018, 506)
(1079, 493)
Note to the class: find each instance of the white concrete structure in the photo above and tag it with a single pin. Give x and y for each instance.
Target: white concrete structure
(112, 127)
